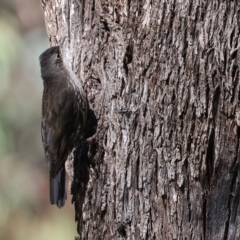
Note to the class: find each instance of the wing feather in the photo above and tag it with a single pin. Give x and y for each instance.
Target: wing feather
(58, 124)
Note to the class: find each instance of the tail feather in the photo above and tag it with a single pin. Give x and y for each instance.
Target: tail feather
(57, 189)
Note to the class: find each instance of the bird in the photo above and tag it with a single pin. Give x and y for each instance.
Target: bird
(64, 117)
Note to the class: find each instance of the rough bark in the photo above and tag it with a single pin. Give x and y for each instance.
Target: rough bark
(162, 78)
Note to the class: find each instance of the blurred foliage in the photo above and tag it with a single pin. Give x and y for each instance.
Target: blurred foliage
(26, 213)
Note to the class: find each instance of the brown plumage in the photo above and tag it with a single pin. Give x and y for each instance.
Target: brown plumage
(64, 116)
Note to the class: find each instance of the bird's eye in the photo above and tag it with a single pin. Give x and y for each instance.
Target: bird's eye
(58, 55)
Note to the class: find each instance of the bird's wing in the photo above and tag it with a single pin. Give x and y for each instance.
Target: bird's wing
(58, 124)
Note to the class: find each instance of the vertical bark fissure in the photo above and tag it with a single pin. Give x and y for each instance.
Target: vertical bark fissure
(210, 157)
(229, 203)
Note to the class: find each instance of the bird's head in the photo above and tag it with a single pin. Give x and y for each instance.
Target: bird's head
(51, 62)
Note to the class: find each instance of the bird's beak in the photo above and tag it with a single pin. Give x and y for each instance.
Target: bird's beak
(64, 63)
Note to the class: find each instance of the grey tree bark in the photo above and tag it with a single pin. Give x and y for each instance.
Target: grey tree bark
(162, 78)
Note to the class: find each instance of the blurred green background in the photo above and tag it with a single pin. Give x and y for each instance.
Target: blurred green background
(25, 211)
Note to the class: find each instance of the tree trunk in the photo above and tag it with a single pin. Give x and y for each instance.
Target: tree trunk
(162, 78)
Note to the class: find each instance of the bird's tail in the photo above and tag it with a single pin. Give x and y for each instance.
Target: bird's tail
(57, 188)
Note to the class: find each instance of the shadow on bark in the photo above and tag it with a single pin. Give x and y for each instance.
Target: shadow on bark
(83, 155)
